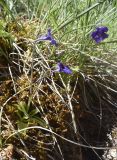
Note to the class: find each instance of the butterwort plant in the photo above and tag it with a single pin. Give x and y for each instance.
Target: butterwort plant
(63, 68)
(100, 34)
(47, 37)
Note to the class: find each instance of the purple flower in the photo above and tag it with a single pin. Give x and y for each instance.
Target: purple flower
(62, 68)
(48, 37)
(100, 34)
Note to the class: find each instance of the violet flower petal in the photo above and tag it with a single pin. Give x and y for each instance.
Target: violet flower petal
(99, 35)
(48, 37)
(62, 68)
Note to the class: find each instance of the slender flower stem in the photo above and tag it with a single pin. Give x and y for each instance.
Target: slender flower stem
(72, 114)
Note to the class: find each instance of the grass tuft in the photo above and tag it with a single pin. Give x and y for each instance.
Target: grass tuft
(53, 115)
